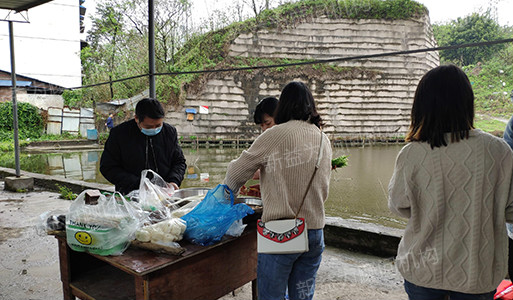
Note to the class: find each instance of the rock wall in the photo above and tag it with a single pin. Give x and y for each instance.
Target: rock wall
(370, 99)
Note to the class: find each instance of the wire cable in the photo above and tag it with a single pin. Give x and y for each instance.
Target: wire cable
(311, 62)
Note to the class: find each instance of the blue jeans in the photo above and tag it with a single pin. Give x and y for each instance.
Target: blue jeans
(277, 272)
(416, 292)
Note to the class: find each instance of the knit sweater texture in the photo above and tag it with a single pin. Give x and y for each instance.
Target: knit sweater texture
(457, 199)
(286, 155)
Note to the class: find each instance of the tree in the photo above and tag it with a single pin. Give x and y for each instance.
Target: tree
(118, 45)
(172, 18)
(470, 29)
(106, 37)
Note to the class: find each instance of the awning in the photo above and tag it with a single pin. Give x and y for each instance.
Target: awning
(21, 5)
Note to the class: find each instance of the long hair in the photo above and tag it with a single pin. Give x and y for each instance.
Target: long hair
(443, 103)
(296, 103)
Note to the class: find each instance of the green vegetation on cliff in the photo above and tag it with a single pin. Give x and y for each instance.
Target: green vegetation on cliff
(210, 50)
(116, 57)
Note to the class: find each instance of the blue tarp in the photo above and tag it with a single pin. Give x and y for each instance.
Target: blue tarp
(18, 83)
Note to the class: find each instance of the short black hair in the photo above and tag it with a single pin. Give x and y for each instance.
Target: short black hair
(149, 107)
(443, 103)
(297, 103)
(265, 106)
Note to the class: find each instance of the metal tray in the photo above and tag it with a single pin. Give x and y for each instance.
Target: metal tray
(189, 192)
(252, 201)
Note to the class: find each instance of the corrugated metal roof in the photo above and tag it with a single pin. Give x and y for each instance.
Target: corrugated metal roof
(21, 5)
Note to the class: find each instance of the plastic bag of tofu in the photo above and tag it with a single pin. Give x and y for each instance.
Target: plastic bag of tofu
(102, 225)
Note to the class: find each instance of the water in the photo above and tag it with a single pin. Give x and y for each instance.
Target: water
(358, 191)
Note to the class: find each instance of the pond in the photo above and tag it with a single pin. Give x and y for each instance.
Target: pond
(358, 191)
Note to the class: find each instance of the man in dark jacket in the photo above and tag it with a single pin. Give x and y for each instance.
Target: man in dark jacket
(145, 142)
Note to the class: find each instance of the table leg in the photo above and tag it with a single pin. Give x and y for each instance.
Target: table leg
(141, 288)
(254, 289)
(64, 263)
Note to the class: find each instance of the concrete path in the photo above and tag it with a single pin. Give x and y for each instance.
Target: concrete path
(29, 267)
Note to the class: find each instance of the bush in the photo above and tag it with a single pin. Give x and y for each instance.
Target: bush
(74, 99)
(470, 29)
(30, 122)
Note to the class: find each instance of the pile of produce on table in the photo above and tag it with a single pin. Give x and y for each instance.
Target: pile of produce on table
(151, 218)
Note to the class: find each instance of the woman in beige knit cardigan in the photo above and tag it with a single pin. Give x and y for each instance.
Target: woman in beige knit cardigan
(286, 155)
(454, 184)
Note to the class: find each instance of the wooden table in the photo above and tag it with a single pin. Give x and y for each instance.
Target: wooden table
(199, 273)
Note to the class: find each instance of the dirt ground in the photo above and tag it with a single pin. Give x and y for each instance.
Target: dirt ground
(29, 267)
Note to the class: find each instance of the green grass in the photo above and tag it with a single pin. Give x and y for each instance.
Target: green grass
(489, 125)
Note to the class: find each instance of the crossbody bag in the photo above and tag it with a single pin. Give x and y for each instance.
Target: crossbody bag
(286, 236)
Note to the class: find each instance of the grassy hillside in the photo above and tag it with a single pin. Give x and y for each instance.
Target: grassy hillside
(492, 82)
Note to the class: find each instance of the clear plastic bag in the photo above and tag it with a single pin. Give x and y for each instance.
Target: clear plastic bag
(236, 228)
(50, 222)
(104, 228)
(211, 218)
(154, 192)
(167, 231)
(187, 208)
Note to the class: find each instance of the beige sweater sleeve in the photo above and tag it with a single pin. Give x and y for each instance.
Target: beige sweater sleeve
(242, 169)
(398, 190)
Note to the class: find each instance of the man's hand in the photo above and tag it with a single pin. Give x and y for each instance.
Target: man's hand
(174, 185)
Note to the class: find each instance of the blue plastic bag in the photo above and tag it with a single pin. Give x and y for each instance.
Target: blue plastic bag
(211, 218)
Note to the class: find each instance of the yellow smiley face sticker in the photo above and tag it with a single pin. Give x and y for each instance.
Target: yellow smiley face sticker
(83, 238)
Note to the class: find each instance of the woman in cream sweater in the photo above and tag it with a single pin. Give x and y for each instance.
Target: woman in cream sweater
(454, 184)
(286, 155)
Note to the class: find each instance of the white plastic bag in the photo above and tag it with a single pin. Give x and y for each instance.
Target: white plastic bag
(105, 228)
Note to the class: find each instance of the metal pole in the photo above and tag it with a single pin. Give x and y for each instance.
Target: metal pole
(151, 47)
(14, 104)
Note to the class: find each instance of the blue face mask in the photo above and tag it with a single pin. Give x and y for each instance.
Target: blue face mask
(151, 132)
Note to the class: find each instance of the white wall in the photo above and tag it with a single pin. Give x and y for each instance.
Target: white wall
(41, 101)
(47, 48)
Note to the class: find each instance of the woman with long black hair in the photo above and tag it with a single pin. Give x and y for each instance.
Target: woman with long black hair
(287, 154)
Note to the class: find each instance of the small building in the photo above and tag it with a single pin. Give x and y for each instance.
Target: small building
(36, 92)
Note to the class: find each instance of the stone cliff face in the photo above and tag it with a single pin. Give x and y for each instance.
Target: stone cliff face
(366, 98)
